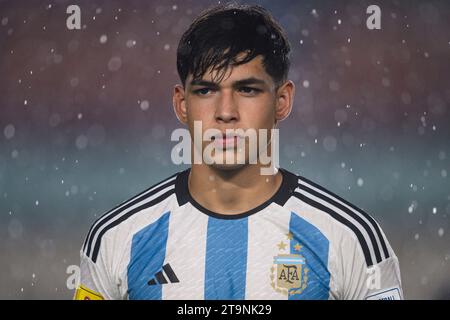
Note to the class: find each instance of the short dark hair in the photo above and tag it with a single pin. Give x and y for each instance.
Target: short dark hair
(220, 34)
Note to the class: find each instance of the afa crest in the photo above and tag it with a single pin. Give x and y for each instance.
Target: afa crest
(289, 274)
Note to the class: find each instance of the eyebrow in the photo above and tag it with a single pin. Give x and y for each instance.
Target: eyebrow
(237, 83)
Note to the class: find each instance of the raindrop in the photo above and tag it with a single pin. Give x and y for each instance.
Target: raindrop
(54, 120)
(144, 105)
(114, 63)
(74, 82)
(131, 43)
(9, 131)
(329, 143)
(360, 182)
(81, 142)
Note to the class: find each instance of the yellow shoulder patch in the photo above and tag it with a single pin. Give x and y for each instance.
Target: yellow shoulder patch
(84, 293)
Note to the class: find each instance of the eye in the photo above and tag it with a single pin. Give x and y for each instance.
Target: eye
(249, 90)
(203, 91)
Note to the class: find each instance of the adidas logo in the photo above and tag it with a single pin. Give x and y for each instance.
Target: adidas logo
(160, 279)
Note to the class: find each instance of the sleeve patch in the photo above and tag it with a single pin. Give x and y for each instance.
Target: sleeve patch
(390, 294)
(84, 293)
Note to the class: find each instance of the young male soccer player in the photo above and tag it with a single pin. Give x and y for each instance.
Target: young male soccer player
(224, 230)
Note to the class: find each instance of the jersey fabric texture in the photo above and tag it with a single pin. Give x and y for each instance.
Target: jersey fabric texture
(303, 243)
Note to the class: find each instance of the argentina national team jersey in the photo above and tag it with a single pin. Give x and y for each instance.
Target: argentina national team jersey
(303, 243)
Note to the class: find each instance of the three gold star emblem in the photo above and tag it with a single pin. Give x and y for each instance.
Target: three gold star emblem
(282, 245)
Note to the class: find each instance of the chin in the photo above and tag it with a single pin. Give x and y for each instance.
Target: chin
(226, 161)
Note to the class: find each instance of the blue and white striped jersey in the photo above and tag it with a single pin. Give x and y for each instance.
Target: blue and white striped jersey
(303, 243)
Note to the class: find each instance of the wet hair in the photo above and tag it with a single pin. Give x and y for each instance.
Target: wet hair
(230, 35)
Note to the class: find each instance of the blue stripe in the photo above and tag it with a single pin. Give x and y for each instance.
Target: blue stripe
(226, 259)
(148, 250)
(314, 249)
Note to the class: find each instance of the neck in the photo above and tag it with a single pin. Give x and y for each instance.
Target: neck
(231, 191)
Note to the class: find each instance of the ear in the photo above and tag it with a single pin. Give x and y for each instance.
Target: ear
(284, 100)
(179, 103)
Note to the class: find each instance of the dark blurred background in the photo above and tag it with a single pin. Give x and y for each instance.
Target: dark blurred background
(86, 117)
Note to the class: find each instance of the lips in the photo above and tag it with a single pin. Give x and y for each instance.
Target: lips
(226, 141)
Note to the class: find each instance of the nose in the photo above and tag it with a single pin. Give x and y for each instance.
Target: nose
(226, 110)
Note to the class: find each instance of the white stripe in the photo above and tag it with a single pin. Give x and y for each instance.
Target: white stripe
(265, 230)
(144, 201)
(105, 216)
(353, 210)
(186, 253)
(344, 215)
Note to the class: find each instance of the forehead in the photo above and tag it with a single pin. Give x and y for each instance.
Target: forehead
(253, 68)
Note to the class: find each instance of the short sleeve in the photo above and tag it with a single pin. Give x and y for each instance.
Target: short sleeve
(96, 281)
(381, 281)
